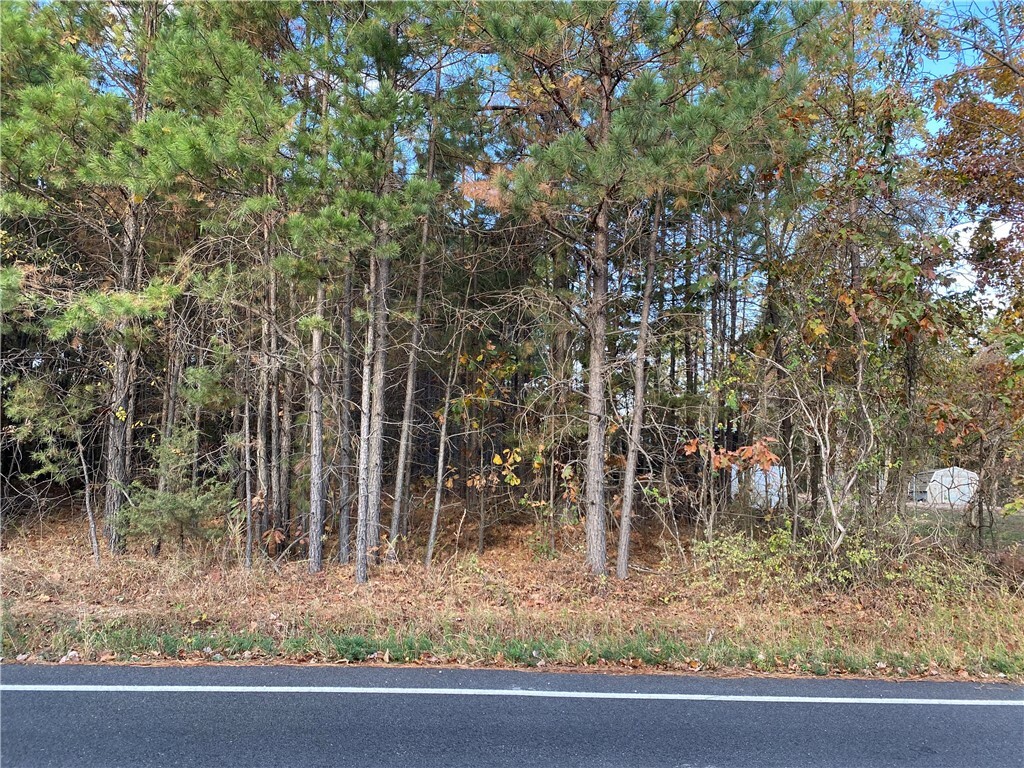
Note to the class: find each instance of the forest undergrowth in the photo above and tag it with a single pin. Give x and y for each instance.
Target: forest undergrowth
(739, 605)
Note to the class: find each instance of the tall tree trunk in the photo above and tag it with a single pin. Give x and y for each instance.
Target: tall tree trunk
(639, 390)
(363, 471)
(273, 514)
(117, 446)
(262, 499)
(405, 437)
(289, 384)
(345, 452)
(596, 544)
(121, 402)
(316, 439)
(270, 433)
(597, 316)
(376, 468)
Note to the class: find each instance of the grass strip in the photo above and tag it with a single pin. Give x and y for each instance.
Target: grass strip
(125, 640)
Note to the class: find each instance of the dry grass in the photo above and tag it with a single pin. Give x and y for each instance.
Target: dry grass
(506, 607)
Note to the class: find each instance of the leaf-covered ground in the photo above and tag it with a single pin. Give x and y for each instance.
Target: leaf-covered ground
(736, 607)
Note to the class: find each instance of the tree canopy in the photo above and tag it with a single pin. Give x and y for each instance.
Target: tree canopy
(307, 277)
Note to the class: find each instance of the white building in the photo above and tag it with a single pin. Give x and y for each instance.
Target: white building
(953, 486)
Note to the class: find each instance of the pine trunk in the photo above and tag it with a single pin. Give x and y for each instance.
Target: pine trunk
(121, 402)
(363, 471)
(639, 390)
(376, 468)
(316, 438)
(597, 317)
(405, 437)
(117, 447)
(345, 415)
(596, 545)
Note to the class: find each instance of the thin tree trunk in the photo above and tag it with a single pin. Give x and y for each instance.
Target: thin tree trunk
(274, 502)
(442, 459)
(90, 512)
(271, 514)
(196, 444)
(169, 410)
(262, 447)
(284, 454)
(363, 472)
(481, 496)
(639, 389)
(376, 478)
(316, 438)
(405, 437)
(345, 454)
(247, 427)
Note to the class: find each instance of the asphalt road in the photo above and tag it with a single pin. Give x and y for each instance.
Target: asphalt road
(86, 716)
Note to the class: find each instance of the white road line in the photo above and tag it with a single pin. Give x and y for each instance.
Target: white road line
(538, 694)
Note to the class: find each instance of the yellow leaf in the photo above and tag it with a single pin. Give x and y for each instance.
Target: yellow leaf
(497, 460)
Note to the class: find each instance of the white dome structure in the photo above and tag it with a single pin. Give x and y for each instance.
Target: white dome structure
(951, 486)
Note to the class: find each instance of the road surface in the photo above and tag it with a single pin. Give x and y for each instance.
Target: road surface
(86, 716)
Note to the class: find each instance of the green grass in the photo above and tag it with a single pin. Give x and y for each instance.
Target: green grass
(948, 525)
(1010, 529)
(818, 656)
